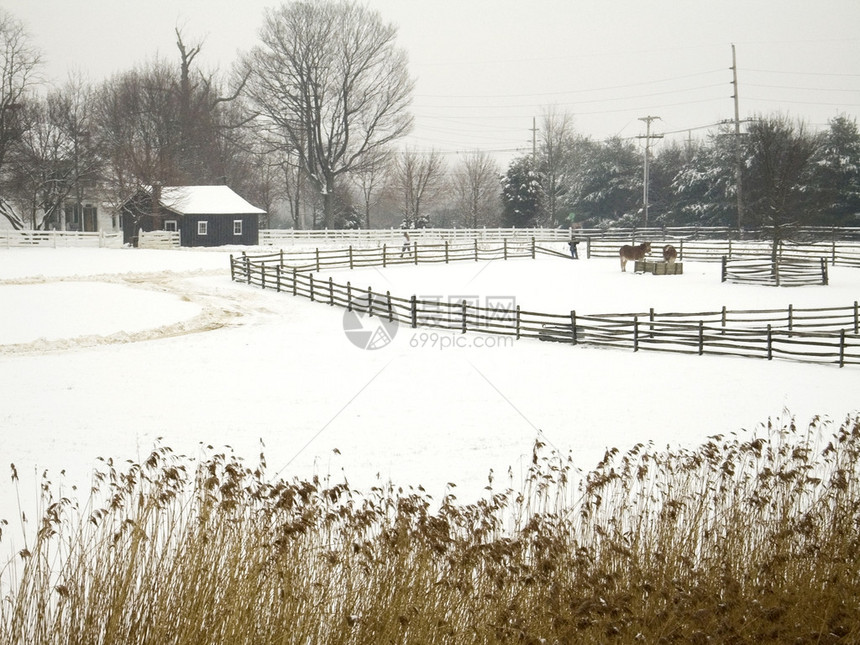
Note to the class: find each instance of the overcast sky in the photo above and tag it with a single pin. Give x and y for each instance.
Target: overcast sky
(486, 68)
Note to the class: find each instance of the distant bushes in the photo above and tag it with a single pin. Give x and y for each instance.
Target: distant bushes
(738, 541)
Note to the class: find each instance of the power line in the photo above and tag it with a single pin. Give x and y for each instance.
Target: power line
(580, 91)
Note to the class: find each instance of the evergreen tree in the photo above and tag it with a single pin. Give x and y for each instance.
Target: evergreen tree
(663, 169)
(837, 173)
(705, 186)
(520, 194)
(608, 189)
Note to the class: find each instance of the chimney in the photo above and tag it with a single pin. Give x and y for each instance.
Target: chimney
(156, 206)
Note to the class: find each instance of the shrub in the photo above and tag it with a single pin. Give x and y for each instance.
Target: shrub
(736, 541)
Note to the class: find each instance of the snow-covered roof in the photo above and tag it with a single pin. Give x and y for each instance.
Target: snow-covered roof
(204, 200)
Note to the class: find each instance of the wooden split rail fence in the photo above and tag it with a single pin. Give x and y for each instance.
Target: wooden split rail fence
(825, 335)
(835, 252)
(418, 253)
(789, 272)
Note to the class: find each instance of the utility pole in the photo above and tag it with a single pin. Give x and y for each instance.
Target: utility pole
(648, 136)
(738, 161)
(534, 142)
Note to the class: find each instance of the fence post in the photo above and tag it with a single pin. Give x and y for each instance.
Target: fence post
(311, 279)
(824, 271)
(263, 276)
(724, 319)
(348, 296)
(331, 291)
(573, 335)
(635, 333)
(723, 272)
(446, 251)
(463, 308)
(730, 247)
(769, 343)
(790, 317)
(505, 248)
(841, 348)
(295, 282)
(533, 248)
(390, 310)
(415, 252)
(282, 257)
(318, 258)
(383, 256)
(856, 318)
(247, 267)
(833, 262)
(476, 249)
(232, 267)
(681, 251)
(278, 278)
(414, 307)
(701, 337)
(370, 301)
(518, 321)
(651, 322)
(350, 257)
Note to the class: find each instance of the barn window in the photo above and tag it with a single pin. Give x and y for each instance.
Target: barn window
(237, 227)
(202, 228)
(170, 225)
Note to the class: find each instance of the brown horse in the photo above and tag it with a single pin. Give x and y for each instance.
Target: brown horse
(669, 254)
(628, 252)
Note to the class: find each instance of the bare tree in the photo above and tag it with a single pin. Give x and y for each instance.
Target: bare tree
(477, 189)
(293, 184)
(556, 142)
(370, 177)
(138, 119)
(56, 159)
(19, 68)
(779, 165)
(160, 126)
(330, 76)
(419, 178)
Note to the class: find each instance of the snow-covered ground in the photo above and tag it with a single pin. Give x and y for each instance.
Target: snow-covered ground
(104, 351)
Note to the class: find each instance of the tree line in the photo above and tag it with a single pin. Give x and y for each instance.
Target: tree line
(787, 175)
(307, 126)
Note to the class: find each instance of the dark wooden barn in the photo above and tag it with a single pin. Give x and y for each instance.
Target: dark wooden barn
(203, 215)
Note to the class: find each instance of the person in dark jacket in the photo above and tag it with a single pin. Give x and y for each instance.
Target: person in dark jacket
(572, 244)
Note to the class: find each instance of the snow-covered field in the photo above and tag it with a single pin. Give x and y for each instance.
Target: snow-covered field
(104, 351)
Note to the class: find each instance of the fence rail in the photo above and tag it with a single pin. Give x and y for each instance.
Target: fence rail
(158, 240)
(828, 335)
(352, 257)
(54, 239)
(835, 252)
(277, 237)
(667, 235)
(788, 272)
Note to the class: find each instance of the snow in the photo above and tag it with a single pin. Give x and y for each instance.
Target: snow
(31, 312)
(104, 352)
(205, 200)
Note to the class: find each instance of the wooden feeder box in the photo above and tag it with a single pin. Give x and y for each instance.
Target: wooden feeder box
(659, 268)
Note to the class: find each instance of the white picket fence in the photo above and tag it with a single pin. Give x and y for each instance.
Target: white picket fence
(283, 237)
(158, 240)
(377, 237)
(55, 239)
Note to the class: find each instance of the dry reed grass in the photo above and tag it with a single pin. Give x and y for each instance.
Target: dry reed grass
(738, 541)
